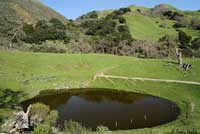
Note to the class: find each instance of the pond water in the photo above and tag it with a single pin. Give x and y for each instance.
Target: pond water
(118, 110)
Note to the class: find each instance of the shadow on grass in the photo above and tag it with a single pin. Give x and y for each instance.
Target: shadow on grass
(10, 98)
(171, 63)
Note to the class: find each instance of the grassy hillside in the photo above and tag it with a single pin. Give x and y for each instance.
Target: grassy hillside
(149, 24)
(31, 73)
(14, 13)
(28, 11)
(148, 28)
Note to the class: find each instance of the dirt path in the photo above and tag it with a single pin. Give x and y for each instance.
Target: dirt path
(146, 79)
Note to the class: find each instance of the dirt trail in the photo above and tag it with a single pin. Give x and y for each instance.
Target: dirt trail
(146, 79)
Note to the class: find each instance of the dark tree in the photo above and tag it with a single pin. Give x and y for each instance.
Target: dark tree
(122, 20)
(93, 15)
(178, 25)
(42, 24)
(184, 39)
(196, 43)
(54, 30)
(28, 28)
(57, 23)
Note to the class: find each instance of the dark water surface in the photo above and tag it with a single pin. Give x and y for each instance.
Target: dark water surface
(118, 110)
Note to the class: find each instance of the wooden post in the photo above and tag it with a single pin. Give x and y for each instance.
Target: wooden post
(28, 110)
(179, 56)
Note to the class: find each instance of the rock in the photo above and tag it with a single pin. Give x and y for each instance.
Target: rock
(20, 125)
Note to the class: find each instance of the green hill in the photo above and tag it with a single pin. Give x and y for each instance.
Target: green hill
(150, 24)
(130, 31)
(137, 30)
(13, 13)
(148, 28)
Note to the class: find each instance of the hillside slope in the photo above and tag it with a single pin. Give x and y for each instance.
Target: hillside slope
(153, 23)
(150, 24)
(13, 13)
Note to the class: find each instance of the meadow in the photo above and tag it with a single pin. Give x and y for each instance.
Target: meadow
(24, 75)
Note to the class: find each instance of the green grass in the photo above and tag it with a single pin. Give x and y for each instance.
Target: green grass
(142, 9)
(31, 73)
(192, 32)
(146, 28)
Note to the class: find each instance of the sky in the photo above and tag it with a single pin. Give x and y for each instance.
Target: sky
(72, 9)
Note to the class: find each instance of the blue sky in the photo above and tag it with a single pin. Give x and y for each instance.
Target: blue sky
(72, 9)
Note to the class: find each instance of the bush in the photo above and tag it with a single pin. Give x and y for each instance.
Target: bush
(42, 129)
(38, 114)
(28, 28)
(196, 43)
(72, 127)
(117, 13)
(41, 24)
(101, 27)
(93, 15)
(50, 47)
(184, 39)
(52, 118)
(163, 25)
(178, 25)
(122, 11)
(54, 30)
(122, 20)
(57, 24)
(172, 15)
(195, 23)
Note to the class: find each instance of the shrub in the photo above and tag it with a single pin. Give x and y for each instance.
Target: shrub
(122, 28)
(184, 39)
(117, 13)
(168, 40)
(28, 28)
(195, 23)
(42, 129)
(49, 47)
(124, 10)
(172, 15)
(90, 15)
(54, 30)
(163, 25)
(52, 118)
(178, 25)
(93, 15)
(101, 27)
(72, 127)
(57, 24)
(38, 114)
(41, 24)
(122, 20)
(196, 43)
(138, 10)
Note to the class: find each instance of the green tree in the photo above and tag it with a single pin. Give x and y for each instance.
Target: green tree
(122, 20)
(196, 43)
(93, 15)
(41, 24)
(57, 24)
(184, 39)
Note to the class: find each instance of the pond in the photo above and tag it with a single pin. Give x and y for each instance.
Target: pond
(117, 110)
